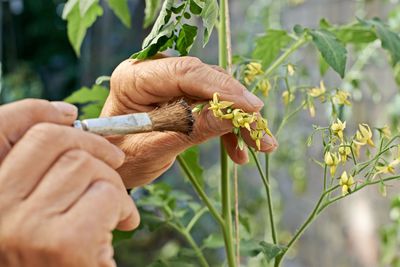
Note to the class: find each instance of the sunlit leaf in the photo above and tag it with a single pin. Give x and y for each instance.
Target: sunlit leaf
(121, 10)
(150, 12)
(209, 15)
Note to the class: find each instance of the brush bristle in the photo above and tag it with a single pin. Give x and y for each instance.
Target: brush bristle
(175, 117)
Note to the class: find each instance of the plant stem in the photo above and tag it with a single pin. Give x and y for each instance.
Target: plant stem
(265, 179)
(203, 196)
(224, 62)
(296, 45)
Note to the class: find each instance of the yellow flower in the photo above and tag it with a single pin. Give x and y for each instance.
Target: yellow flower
(331, 160)
(386, 132)
(311, 108)
(264, 86)
(290, 69)
(242, 119)
(346, 182)
(341, 98)
(218, 107)
(261, 128)
(256, 136)
(252, 70)
(338, 128)
(364, 135)
(390, 168)
(356, 149)
(287, 97)
(344, 152)
(317, 91)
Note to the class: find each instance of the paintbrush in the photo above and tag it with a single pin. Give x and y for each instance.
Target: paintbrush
(175, 117)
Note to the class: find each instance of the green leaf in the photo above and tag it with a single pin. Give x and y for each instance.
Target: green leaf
(68, 8)
(160, 43)
(269, 46)
(209, 15)
(92, 100)
(192, 159)
(213, 241)
(271, 251)
(119, 236)
(355, 34)
(150, 12)
(121, 10)
(162, 19)
(390, 40)
(77, 25)
(195, 7)
(84, 5)
(186, 38)
(334, 52)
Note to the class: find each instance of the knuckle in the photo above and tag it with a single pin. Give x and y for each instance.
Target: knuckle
(186, 65)
(45, 132)
(80, 158)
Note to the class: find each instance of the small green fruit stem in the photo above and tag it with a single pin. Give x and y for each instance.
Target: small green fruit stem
(224, 62)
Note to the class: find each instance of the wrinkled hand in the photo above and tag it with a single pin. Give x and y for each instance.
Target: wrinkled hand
(60, 196)
(139, 86)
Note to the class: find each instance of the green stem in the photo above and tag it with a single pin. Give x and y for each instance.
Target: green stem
(224, 62)
(265, 180)
(296, 45)
(288, 117)
(203, 196)
(195, 219)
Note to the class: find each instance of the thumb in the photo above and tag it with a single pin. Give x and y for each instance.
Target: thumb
(16, 118)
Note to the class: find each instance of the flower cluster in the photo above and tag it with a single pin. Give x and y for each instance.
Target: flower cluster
(254, 123)
(253, 69)
(340, 150)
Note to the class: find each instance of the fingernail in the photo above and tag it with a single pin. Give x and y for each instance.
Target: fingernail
(270, 143)
(253, 99)
(120, 154)
(66, 108)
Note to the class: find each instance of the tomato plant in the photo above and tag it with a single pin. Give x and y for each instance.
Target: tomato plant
(350, 160)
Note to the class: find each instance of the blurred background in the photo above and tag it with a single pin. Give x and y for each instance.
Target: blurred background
(37, 61)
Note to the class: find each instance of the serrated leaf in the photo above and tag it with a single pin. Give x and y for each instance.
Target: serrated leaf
(192, 159)
(162, 19)
(84, 5)
(161, 42)
(269, 46)
(186, 38)
(334, 53)
(270, 251)
(150, 12)
(77, 25)
(355, 34)
(92, 99)
(209, 15)
(121, 10)
(390, 40)
(178, 9)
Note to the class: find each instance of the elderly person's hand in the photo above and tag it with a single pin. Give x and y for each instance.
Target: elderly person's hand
(138, 86)
(60, 196)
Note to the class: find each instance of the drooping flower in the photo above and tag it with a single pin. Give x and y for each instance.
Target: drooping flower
(290, 69)
(346, 181)
(287, 97)
(389, 168)
(242, 119)
(317, 91)
(364, 135)
(344, 152)
(331, 160)
(338, 128)
(342, 98)
(264, 86)
(311, 108)
(253, 69)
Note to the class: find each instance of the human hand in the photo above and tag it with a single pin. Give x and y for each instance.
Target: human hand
(60, 196)
(139, 86)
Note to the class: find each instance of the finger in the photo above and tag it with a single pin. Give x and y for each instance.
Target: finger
(235, 153)
(16, 118)
(101, 206)
(38, 150)
(155, 81)
(70, 176)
